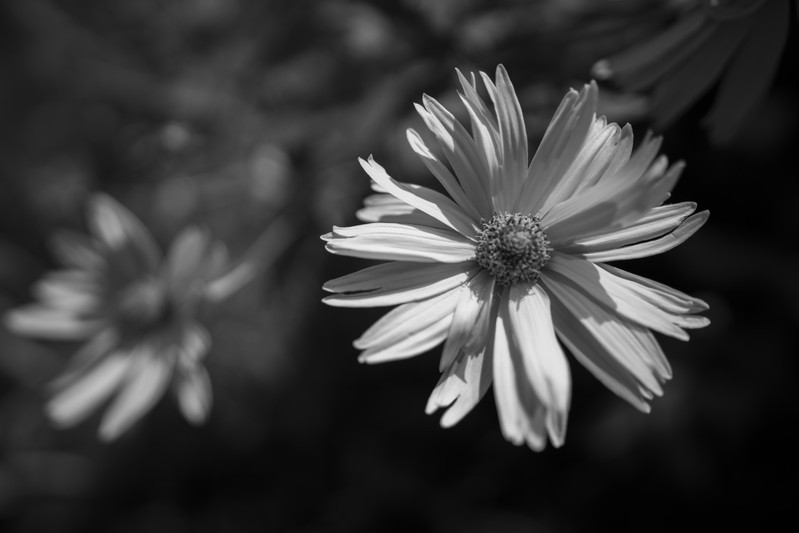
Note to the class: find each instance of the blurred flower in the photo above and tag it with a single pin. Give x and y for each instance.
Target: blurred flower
(737, 43)
(139, 312)
(515, 260)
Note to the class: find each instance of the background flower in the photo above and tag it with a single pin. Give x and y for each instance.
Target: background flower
(735, 43)
(140, 313)
(515, 257)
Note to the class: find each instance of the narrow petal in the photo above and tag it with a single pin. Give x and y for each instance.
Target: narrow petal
(462, 386)
(470, 321)
(653, 247)
(459, 147)
(144, 386)
(387, 208)
(562, 141)
(751, 71)
(185, 258)
(522, 416)
(615, 294)
(193, 387)
(542, 359)
(691, 79)
(76, 251)
(659, 220)
(87, 356)
(38, 321)
(397, 283)
(398, 242)
(78, 295)
(442, 174)
(411, 345)
(426, 200)
(119, 230)
(80, 398)
(665, 297)
(408, 319)
(612, 335)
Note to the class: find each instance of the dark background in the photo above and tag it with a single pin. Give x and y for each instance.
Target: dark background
(227, 113)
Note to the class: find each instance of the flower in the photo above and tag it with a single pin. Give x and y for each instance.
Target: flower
(512, 263)
(139, 312)
(737, 43)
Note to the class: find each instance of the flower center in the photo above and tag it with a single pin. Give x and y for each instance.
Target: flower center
(512, 248)
(731, 9)
(143, 304)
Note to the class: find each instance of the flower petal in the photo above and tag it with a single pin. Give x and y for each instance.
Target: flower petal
(522, 416)
(611, 336)
(562, 141)
(39, 321)
(657, 246)
(615, 294)
(462, 385)
(397, 283)
(86, 392)
(193, 388)
(87, 356)
(409, 319)
(426, 200)
(414, 344)
(121, 231)
(542, 359)
(145, 385)
(399, 242)
(751, 71)
(470, 321)
(76, 251)
(387, 208)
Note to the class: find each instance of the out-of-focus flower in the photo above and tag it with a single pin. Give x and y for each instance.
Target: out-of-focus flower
(737, 43)
(514, 260)
(138, 311)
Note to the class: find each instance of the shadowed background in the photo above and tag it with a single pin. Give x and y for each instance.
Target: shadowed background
(228, 114)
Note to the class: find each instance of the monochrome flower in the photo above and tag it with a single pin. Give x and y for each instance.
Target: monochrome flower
(138, 312)
(737, 43)
(511, 264)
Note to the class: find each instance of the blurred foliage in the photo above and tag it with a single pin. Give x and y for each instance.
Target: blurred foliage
(229, 113)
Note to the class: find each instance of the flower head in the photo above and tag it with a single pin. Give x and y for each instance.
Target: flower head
(735, 42)
(511, 265)
(138, 311)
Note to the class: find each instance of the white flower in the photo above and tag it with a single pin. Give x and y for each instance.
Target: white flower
(737, 43)
(138, 311)
(511, 264)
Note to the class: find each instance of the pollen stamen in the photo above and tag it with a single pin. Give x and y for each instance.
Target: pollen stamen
(512, 248)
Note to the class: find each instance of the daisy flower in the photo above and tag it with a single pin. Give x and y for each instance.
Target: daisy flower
(737, 43)
(510, 266)
(137, 312)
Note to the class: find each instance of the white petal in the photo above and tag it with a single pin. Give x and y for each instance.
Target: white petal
(194, 393)
(143, 388)
(71, 291)
(658, 221)
(542, 358)
(613, 336)
(398, 242)
(561, 143)
(186, 258)
(120, 230)
(470, 321)
(408, 319)
(387, 208)
(414, 344)
(397, 283)
(88, 354)
(442, 174)
(615, 294)
(36, 320)
(80, 398)
(76, 251)
(657, 246)
(459, 147)
(665, 297)
(522, 416)
(462, 386)
(427, 200)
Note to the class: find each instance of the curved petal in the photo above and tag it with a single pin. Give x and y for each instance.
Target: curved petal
(657, 246)
(470, 321)
(193, 389)
(410, 346)
(397, 283)
(39, 321)
(145, 384)
(398, 242)
(76, 251)
(542, 359)
(119, 230)
(426, 200)
(387, 208)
